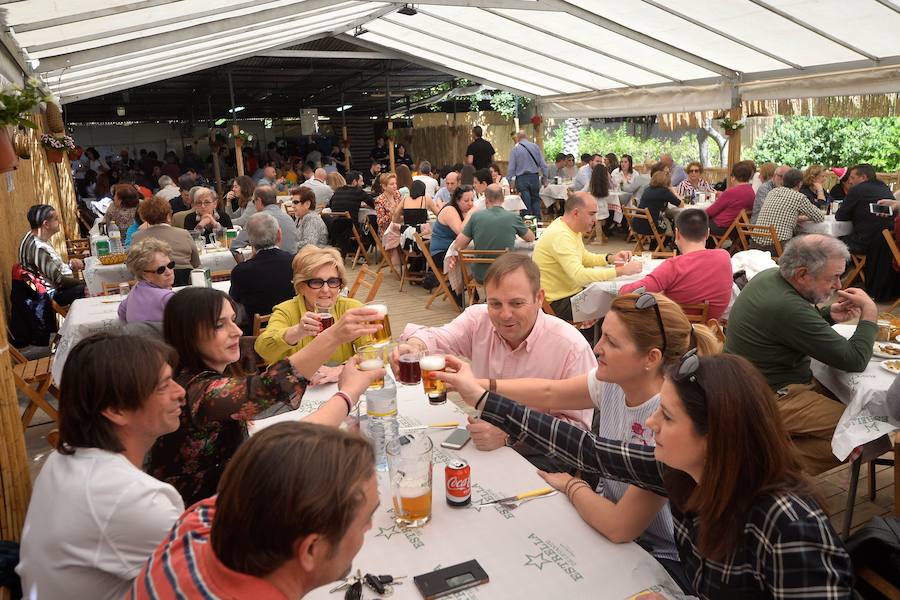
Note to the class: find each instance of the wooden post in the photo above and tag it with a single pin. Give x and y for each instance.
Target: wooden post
(238, 144)
(734, 140)
(390, 145)
(15, 479)
(539, 134)
(217, 173)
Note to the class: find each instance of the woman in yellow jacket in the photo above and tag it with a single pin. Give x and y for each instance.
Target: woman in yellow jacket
(319, 276)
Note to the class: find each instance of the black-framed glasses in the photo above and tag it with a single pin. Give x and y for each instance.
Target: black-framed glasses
(333, 282)
(693, 170)
(687, 367)
(162, 268)
(646, 300)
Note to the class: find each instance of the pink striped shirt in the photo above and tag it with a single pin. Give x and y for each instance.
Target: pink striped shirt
(553, 350)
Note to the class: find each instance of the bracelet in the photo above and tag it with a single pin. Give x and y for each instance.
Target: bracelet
(346, 398)
(482, 399)
(569, 484)
(575, 491)
(571, 491)
(493, 385)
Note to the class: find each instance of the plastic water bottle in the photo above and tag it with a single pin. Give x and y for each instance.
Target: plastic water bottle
(115, 238)
(381, 422)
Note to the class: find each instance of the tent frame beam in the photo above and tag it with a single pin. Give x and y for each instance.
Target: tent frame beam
(326, 54)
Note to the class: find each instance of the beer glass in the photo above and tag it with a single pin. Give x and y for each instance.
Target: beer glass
(372, 358)
(326, 319)
(383, 335)
(434, 388)
(410, 373)
(409, 466)
(222, 236)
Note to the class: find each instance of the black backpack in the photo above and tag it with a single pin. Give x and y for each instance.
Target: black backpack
(876, 547)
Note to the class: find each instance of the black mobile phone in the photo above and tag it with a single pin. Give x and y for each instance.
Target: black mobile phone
(450, 580)
(456, 440)
(885, 210)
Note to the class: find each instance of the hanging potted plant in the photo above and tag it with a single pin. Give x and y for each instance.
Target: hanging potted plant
(243, 136)
(16, 103)
(731, 126)
(57, 146)
(217, 138)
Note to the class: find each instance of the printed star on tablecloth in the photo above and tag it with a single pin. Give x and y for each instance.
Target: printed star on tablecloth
(387, 532)
(537, 560)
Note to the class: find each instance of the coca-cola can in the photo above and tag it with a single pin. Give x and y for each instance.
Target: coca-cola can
(457, 477)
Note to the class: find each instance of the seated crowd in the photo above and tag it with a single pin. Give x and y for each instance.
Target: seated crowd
(637, 418)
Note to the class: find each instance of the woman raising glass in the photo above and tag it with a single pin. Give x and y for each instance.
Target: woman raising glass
(747, 524)
(200, 324)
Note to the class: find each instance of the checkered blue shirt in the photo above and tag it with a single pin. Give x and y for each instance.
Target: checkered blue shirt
(788, 549)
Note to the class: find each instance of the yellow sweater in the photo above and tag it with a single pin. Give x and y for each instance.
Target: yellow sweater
(566, 265)
(270, 344)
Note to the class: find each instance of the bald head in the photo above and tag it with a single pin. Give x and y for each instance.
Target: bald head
(579, 200)
(321, 174)
(493, 195)
(520, 135)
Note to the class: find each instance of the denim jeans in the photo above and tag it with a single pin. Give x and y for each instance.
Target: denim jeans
(529, 187)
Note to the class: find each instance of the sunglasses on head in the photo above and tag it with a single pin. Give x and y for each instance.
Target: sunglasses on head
(646, 300)
(333, 283)
(162, 268)
(687, 368)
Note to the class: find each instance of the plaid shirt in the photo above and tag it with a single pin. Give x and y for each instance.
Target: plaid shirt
(788, 549)
(781, 208)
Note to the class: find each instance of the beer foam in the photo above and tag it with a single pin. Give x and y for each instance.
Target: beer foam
(413, 490)
(371, 364)
(381, 308)
(433, 362)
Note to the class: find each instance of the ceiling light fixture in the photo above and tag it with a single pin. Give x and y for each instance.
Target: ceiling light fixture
(120, 110)
(238, 109)
(408, 10)
(344, 107)
(221, 121)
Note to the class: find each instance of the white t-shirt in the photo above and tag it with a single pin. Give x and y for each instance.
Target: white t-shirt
(431, 184)
(93, 521)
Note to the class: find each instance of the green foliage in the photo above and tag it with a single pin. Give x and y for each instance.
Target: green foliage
(505, 103)
(683, 150)
(801, 141)
(17, 101)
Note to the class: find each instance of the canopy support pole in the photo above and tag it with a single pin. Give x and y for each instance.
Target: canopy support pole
(235, 130)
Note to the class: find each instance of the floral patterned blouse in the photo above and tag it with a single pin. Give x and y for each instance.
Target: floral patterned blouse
(214, 425)
(384, 209)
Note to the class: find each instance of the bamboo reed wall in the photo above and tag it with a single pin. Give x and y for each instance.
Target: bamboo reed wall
(442, 138)
(15, 479)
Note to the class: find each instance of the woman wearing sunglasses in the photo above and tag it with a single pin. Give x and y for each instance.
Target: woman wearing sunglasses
(641, 335)
(223, 391)
(319, 277)
(746, 522)
(150, 261)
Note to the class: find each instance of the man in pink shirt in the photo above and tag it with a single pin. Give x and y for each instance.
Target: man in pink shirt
(697, 274)
(510, 337)
(740, 196)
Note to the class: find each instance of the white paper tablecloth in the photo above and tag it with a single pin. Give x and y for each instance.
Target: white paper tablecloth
(96, 274)
(541, 550)
(88, 316)
(514, 203)
(828, 227)
(594, 301)
(672, 211)
(866, 417)
(552, 192)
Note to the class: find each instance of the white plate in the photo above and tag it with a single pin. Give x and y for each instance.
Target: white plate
(891, 366)
(876, 351)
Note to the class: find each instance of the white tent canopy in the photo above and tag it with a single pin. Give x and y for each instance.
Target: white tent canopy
(584, 58)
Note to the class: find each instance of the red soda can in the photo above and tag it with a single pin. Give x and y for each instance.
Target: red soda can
(457, 477)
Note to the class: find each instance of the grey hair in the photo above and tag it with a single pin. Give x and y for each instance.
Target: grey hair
(141, 255)
(262, 230)
(425, 167)
(811, 252)
(493, 194)
(265, 194)
(164, 181)
(792, 178)
(197, 190)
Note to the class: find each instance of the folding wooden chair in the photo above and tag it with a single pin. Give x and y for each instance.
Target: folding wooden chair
(79, 248)
(766, 232)
(220, 276)
(33, 379)
(857, 270)
(665, 254)
(369, 280)
(742, 217)
(379, 247)
(443, 286)
(643, 214)
(475, 257)
(889, 238)
(696, 313)
(260, 322)
(407, 273)
(113, 288)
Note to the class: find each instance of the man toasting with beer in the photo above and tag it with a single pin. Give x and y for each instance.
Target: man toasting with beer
(507, 338)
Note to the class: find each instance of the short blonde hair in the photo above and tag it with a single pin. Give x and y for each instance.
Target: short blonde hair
(812, 171)
(141, 255)
(335, 180)
(311, 259)
(766, 171)
(661, 179)
(694, 163)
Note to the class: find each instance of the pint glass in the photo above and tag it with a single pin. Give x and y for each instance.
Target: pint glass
(326, 319)
(434, 388)
(383, 335)
(409, 466)
(372, 358)
(410, 373)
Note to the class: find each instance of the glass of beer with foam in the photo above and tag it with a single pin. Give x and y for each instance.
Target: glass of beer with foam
(409, 466)
(372, 358)
(383, 335)
(434, 388)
